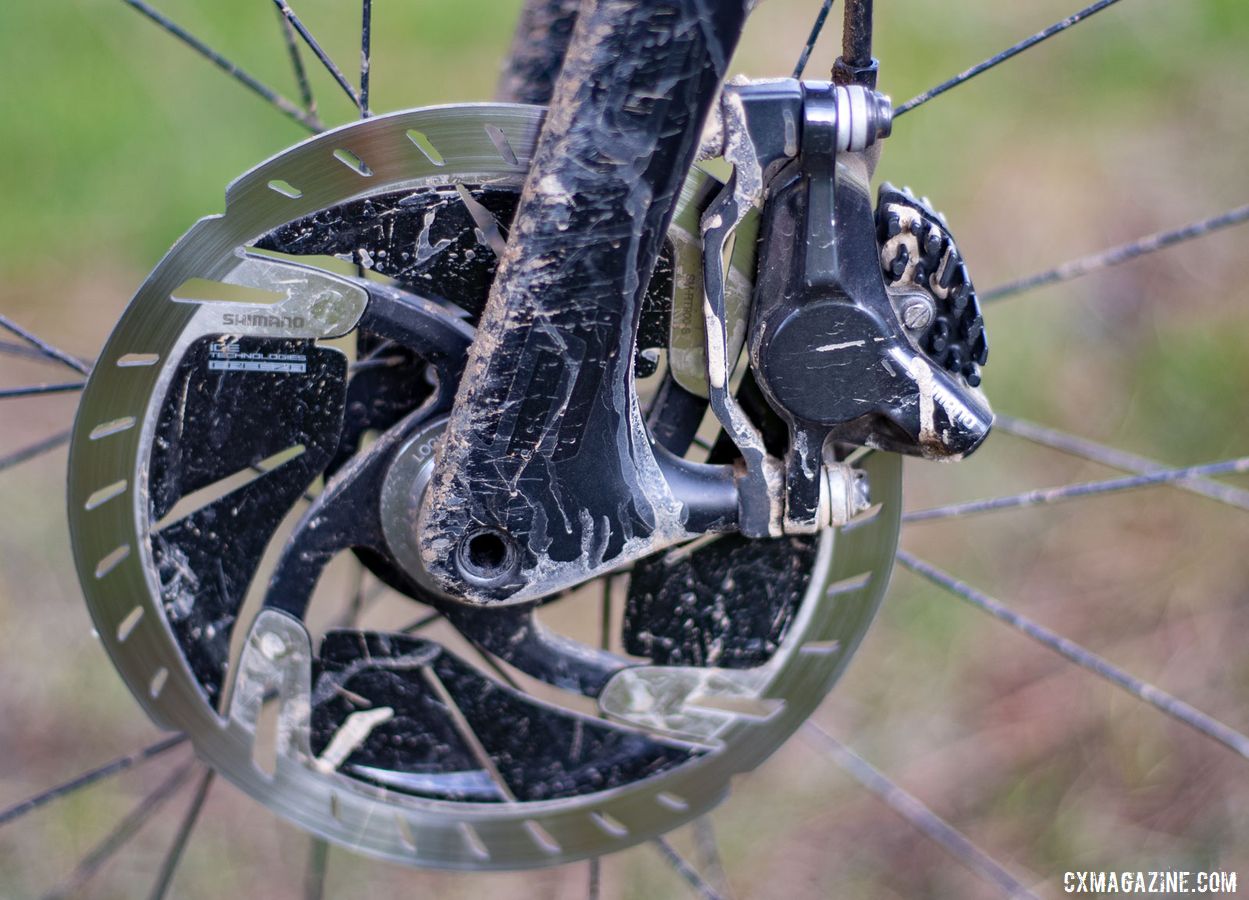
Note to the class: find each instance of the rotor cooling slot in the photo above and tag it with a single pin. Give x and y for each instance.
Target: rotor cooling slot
(433, 239)
(727, 604)
(387, 383)
(444, 730)
(232, 404)
(424, 238)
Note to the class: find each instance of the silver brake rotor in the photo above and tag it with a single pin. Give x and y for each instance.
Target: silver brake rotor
(733, 717)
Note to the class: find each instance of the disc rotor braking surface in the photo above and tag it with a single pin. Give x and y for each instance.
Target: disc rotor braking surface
(219, 403)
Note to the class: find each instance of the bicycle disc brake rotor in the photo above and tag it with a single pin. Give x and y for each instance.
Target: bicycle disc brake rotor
(222, 455)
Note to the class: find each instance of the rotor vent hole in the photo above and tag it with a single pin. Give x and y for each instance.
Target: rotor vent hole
(406, 837)
(503, 145)
(472, 840)
(127, 625)
(353, 162)
(113, 426)
(486, 555)
(285, 188)
(336, 807)
(610, 826)
(204, 290)
(105, 494)
(672, 801)
(850, 585)
(112, 561)
(542, 838)
(157, 684)
(265, 745)
(137, 360)
(426, 147)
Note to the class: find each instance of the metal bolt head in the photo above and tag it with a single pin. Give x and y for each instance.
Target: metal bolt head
(272, 646)
(916, 314)
(844, 493)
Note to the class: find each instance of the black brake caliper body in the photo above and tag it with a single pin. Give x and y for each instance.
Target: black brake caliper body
(828, 342)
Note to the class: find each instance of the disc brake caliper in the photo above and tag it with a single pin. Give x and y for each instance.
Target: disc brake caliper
(843, 357)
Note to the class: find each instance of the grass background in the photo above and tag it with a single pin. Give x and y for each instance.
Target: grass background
(114, 139)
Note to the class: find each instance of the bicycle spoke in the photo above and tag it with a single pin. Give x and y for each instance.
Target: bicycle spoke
(466, 733)
(31, 390)
(1002, 57)
(596, 875)
(107, 770)
(34, 450)
(816, 28)
(320, 54)
(11, 348)
(1115, 459)
(494, 666)
(916, 813)
(1086, 659)
(366, 56)
(420, 623)
(709, 854)
(1095, 262)
(126, 829)
(685, 870)
(238, 74)
(43, 347)
(1045, 496)
(306, 96)
(314, 877)
(173, 857)
(605, 615)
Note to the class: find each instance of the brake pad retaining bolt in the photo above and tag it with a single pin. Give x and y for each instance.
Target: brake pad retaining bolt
(844, 493)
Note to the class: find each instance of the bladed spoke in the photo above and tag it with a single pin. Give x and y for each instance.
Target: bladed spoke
(43, 347)
(238, 74)
(12, 348)
(685, 870)
(32, 390)
(169, 867)
(366, 56)
(126, 829)
(1095, 262)
(1115, 459)
(87, 779)
(709, 854)
(306, 96)
(1086, 659)
(992, 61)
(1045, 496)
(318, 860)
(594, 889)
(916, 813)
(820, 18)
(605, 615)
(421, 623)
(467, 734)
(34, 450)
(319, 53)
